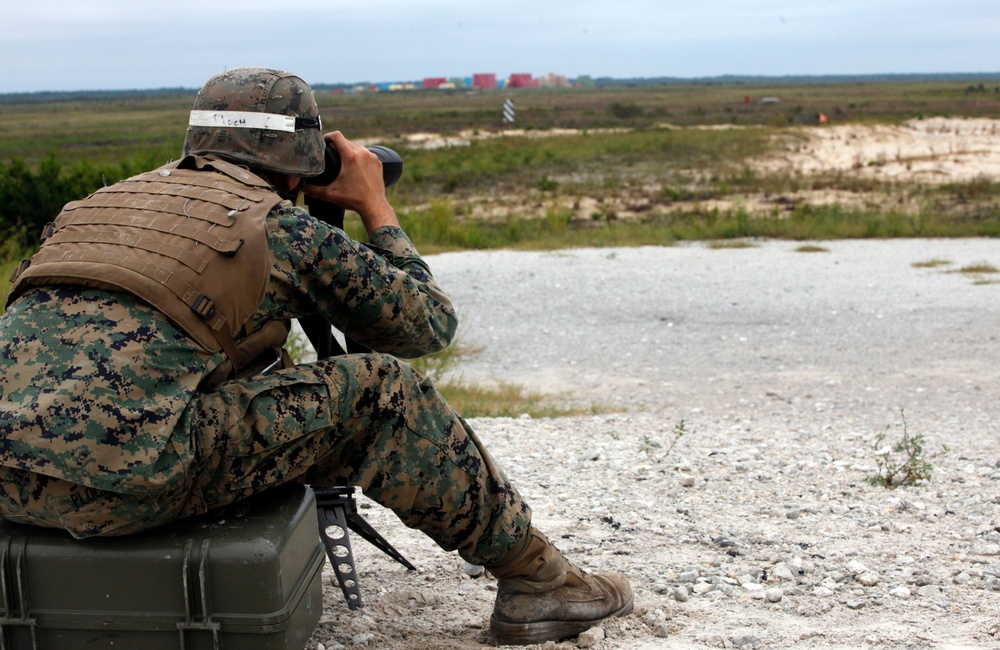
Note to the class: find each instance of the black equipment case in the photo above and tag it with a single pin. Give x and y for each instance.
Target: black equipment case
(246, 579)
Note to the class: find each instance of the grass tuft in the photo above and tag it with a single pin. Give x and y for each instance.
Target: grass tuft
(931, 264)
(975, 269)
(504, 399)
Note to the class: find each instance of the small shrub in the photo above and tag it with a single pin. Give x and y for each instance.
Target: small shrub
(625, 111)
(546, 184)
(903, 463)
(652, 447)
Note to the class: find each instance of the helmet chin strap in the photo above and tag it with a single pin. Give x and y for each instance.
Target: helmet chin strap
(292, 194)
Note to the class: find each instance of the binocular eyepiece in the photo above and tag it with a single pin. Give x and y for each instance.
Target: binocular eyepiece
(392, 165)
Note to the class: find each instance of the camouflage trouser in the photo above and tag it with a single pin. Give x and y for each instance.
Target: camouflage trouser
(364, 420)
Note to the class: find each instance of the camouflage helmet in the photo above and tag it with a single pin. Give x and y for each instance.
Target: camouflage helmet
(263, 118)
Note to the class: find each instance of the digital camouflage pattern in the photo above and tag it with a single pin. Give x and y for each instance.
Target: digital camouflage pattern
(82, 369)
(260, 90)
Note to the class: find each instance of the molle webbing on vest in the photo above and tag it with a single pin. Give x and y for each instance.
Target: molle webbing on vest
(191, 243)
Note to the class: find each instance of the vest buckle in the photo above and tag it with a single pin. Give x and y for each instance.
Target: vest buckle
(21, 268)
(204, 307)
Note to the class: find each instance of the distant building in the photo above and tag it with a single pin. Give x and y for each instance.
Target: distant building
(484, 80)
(522, 80)
(430, 83)
(553, 80)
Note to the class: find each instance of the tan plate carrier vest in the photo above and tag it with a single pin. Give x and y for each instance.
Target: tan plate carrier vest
(188, 238)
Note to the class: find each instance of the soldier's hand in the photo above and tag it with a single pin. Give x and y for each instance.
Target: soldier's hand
(358, 186)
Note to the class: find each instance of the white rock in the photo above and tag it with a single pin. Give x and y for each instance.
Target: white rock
(869, 578)
(856, 567)
(590, 638)
(900, 592)
(781, 572)
(774, 595)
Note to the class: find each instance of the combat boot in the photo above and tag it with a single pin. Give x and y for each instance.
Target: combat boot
(541, 596)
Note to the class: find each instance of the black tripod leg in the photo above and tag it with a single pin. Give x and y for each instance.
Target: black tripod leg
(363, 528)
(342, 500)
(333, 530)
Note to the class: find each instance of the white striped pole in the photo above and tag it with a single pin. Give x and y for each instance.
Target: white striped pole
(508, 111)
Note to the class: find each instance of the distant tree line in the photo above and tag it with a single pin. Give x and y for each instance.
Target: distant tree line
(47, 96)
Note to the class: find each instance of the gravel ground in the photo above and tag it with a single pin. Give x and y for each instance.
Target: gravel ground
(758, 528)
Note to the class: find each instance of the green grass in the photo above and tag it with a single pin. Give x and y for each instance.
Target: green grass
(931, 263)
(503, 399)
(439, 227)
(731, 244)
(11, 254)
(977, 269)
(653, 183)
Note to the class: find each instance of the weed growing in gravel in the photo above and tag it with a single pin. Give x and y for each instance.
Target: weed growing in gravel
(931, 264)
(982, 267)
(502, 400)
(904, 463)
(650, 446)
(811, 248)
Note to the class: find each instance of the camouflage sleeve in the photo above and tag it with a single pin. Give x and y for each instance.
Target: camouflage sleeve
(381, 295)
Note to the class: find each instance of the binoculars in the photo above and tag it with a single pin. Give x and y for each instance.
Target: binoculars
(392, 165)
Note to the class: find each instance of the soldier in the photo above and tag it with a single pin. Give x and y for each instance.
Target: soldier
(143, 378)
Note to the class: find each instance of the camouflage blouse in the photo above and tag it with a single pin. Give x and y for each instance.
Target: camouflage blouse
(95, 385)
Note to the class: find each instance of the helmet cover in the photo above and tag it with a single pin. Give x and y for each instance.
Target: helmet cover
(264, 118)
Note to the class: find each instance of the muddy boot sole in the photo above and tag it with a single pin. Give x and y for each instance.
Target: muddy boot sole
(542, 631)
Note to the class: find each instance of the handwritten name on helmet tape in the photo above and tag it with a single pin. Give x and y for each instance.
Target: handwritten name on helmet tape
(243, 120)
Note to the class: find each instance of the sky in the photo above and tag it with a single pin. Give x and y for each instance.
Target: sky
(128, 44)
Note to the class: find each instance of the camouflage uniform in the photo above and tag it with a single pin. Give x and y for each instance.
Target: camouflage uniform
(96, 367)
